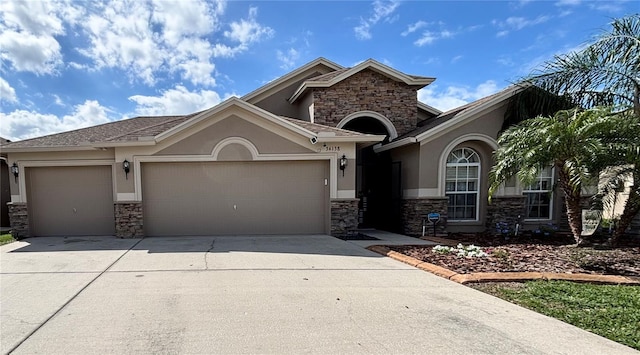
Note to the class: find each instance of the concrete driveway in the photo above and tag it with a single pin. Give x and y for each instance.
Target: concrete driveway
(293, 294)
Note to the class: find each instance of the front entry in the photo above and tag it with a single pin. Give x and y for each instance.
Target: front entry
(377, 180)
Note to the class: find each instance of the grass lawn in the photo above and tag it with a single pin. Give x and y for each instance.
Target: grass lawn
(6, 239)
(607, 310)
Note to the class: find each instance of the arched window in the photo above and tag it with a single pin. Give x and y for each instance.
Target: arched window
(462, 184)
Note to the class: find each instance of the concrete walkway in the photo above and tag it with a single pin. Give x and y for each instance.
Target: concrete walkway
(273, 295)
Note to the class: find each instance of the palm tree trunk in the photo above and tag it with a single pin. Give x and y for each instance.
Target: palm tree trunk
(572, 204)
(574, 215)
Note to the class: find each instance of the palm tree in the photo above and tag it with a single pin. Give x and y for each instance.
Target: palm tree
(620, 164)
(605, 72)
(568, 141)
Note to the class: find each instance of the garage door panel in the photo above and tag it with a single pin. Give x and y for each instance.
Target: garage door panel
(70, 200)
(214, 198)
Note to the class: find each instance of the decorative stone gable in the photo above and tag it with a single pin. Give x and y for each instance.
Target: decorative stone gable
(367, 91)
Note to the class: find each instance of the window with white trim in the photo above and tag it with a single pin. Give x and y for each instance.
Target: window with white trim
(538, 202)
(462, 184)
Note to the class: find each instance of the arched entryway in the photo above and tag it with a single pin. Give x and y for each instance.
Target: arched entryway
(377, 177)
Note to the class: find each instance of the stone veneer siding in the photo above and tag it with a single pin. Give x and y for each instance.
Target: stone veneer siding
(367, 91)
(19, 219)
(415, 210)
(344, 216)
(128, 219)
(505, 209)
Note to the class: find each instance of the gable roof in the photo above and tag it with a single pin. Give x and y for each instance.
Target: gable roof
(84, 137)
(151, 130)
(446, 120)
(318, 64)
(432, 110)
(327, 80)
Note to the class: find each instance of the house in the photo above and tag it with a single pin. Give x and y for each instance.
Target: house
(323, 149)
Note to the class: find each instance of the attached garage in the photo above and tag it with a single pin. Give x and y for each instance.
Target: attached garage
(229, 198)
(70, 200)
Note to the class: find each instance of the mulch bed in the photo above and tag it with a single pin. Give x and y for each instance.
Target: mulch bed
(528, 254)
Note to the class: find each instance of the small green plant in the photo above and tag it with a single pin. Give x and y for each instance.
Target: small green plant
(547, 230)
(6, 239)
(500, 254)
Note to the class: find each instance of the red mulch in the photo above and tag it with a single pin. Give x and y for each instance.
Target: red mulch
(533, 255)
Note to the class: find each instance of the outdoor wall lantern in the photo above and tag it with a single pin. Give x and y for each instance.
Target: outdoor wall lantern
(343, 163)
(126, 168)
(15, 171)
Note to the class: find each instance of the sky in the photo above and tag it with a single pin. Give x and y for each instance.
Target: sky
(71, 64)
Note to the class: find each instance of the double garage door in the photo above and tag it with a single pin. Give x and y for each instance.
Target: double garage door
(204, 198)
(227, 198)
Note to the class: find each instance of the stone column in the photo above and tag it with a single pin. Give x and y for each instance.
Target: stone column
(505, 209)
(344, 216)
(19, 219)
(415, 210)
(128, 219)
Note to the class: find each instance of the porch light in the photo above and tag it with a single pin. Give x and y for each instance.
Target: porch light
(126, 168)
(15, 171)
(343, 163)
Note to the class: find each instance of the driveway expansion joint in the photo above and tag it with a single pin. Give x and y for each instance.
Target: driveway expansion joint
(479, 277)
(73, 297)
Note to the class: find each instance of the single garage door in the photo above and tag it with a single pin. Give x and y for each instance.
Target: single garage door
(66, 201)
(228, 198)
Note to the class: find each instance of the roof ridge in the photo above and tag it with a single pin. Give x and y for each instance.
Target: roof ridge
(170, 119)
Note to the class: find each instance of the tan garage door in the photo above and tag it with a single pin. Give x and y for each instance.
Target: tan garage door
(228, 198)
(70, 200)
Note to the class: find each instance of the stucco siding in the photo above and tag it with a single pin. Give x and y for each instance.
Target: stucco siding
(203, 141)
(278, 103)
(489, 124)
(409, 157)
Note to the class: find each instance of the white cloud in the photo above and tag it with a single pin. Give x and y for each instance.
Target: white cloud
(516, 23)
(288, 59)
(121, 37)
(568, 2)
(455, 96)
(186, 18)
(382, 10)
(27, 30)
(414, 27)
(7, 93)
(248, 30)
(428, 37)
(22, 124)
(148, 38)
(178, 101)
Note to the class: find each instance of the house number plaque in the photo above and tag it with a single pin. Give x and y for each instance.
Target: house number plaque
(331, 148)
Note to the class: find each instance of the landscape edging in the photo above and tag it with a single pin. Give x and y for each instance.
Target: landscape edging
(479, 277)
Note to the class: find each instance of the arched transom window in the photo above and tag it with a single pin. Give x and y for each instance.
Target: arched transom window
(462, 184)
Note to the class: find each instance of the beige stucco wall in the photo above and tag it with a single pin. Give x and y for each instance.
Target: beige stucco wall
(348, 181)
(409, 156)
(305, 109)
(278, 103)
(202, 142)
(488, 124)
